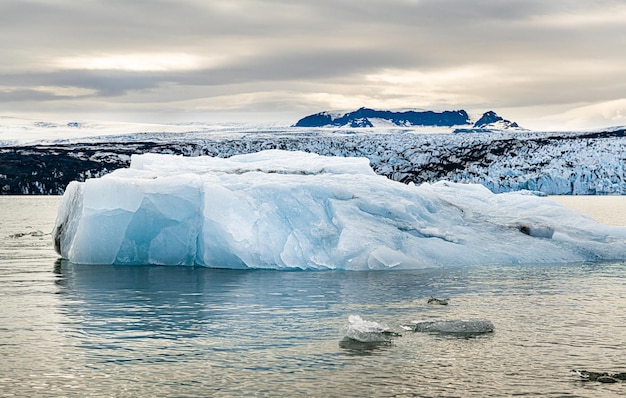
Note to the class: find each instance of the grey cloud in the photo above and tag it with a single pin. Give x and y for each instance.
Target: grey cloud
(311, 66)
(105, 83)
(301, 45)
(449, 29)
(28, 96)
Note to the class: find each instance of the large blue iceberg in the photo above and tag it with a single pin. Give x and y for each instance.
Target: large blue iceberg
(295, 210)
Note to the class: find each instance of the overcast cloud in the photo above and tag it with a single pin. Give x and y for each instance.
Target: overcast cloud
(557, 63)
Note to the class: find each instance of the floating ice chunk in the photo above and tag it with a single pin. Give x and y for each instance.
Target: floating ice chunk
(35, 234)
(463, 327)
(438, 301)
(368, 331)
(295, 210)
(602, 377)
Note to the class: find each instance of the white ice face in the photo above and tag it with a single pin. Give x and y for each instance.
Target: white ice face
(295, 210)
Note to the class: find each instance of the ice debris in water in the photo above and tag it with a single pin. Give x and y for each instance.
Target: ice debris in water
(368, 331)
(36, 234)
(285, 210)
(438, 301)
(463, 327)
(602, 377)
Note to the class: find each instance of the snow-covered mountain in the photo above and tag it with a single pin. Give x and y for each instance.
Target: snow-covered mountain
(491, 120)
(458, 120)
(583, 163)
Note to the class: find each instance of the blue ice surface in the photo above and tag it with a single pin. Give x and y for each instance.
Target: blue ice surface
(294, 210)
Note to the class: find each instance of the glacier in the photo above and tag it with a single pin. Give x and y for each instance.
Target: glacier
(278, 209)
(555, 163)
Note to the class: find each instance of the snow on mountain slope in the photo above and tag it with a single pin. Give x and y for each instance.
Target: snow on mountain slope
(491, 120)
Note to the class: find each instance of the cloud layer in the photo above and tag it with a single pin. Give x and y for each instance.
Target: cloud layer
(536, 61)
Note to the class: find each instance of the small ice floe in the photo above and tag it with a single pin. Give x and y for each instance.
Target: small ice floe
(602, 377)
(36, 234)
(439, 301)
(364, 331)
(457, 327)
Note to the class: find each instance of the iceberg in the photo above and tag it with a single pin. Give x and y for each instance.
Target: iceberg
(278, 209)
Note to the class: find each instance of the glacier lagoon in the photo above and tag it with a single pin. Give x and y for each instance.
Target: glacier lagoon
(104, 330)
(294, 210)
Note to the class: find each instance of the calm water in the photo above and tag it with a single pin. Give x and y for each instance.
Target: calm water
(72, 330)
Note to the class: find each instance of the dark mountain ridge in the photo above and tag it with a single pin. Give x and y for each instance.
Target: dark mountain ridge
(364, 117)
(361, 118)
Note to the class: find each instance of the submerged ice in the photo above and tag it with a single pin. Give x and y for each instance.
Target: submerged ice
(296, 210)
(460, 327)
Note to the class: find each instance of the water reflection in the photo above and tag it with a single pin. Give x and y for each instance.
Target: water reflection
(153, 313)
(161, 302)
(238, 332)
(361, 348)
(184, 292)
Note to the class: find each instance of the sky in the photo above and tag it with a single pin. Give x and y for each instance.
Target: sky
(546, 64)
